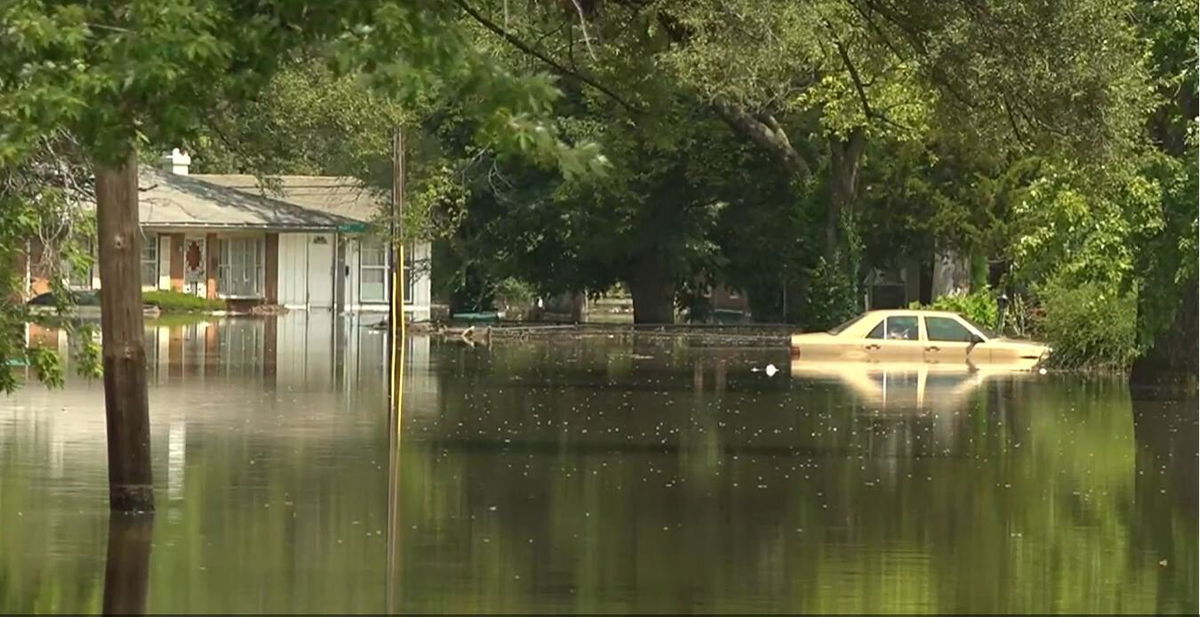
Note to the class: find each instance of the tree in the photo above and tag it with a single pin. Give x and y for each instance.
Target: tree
(118, 75)
(816, 85)
(1167, 261)
(42, 229)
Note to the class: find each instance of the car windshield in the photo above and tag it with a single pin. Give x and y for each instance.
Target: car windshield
(985, 331)
(845, 324)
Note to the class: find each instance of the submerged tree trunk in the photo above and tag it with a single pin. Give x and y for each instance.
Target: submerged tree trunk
(125, 402)
(127, 567)
(653, 291)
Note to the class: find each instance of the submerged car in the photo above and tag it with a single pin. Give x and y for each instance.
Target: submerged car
(902, 336)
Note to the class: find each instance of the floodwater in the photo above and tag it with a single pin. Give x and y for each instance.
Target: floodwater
(594, 475)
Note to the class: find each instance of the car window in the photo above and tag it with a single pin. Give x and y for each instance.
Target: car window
(877, 331)
(988, 333)
(946, 329)
(903, 328)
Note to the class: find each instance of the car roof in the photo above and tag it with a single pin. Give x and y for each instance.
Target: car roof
(908, 313)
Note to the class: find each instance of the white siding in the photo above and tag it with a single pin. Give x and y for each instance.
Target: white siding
(419, 260)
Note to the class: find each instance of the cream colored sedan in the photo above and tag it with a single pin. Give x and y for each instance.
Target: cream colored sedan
(906, 336)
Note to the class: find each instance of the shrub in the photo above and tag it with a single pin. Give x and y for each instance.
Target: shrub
(832, 298)
(979, 306)
(179, 302)
(1089, 326)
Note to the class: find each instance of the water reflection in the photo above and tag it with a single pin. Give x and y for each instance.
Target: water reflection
(127, 567)
(599, 475)
(906, 387)
(577, 477)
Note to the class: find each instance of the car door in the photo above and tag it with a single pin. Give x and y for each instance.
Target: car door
(948, 341)
(897, 338)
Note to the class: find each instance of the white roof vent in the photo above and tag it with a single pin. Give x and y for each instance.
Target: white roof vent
(176, 162)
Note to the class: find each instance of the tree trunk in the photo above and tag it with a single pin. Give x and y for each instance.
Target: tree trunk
(125, 402)
(127, 567)
(653, 294)
(844, 163)
(951, 274)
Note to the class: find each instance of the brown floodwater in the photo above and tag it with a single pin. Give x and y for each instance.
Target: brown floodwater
(595, 474)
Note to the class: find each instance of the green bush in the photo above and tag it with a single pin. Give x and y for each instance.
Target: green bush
(1089, 326)
(978, 306)
(179, 302)
(832, 298)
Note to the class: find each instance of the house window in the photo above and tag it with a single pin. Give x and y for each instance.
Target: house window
(81, 277)
(150, 261)
(372, 272)
(240, 271)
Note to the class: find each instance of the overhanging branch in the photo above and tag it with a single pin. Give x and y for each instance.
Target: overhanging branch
(547, 60)
(769, 135)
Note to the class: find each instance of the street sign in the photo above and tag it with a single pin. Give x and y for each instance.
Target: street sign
(353, 227)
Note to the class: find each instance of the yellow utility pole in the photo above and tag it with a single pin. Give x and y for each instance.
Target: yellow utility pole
(396, 348)
(396, 353)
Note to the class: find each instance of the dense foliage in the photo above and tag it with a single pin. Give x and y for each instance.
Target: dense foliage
(786, 150)
(980, 306)
(1089, 325)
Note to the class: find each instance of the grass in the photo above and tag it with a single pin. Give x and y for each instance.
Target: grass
(179, 302)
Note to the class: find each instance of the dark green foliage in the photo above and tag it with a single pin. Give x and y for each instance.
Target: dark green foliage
(1088, 326)
(832, 298)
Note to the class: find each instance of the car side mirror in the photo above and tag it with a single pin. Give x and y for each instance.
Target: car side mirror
(975, 340)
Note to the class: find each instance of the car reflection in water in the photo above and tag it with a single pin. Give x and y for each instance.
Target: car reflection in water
(906, 387)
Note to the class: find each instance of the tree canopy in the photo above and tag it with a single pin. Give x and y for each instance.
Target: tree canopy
(784, 149)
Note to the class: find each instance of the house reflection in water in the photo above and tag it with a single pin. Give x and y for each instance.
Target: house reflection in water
(300, 376)
(301, 350)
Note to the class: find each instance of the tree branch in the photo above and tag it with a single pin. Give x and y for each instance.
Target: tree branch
(768, 135)
(854, 77)
(548, 61)
(1012, 120)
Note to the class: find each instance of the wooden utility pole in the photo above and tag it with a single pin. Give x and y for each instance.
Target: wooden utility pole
(126, 406)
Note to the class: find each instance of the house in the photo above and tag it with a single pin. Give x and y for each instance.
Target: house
(307, 243)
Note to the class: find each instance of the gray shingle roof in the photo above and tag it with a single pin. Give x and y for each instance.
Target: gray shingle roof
(171, 200)
(338, 195)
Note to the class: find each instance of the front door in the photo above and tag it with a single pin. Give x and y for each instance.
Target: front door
(320, 271)
(195, 272)
(896, 338)
(947, 341)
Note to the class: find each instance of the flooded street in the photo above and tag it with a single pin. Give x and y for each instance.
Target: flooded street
(595, 474)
